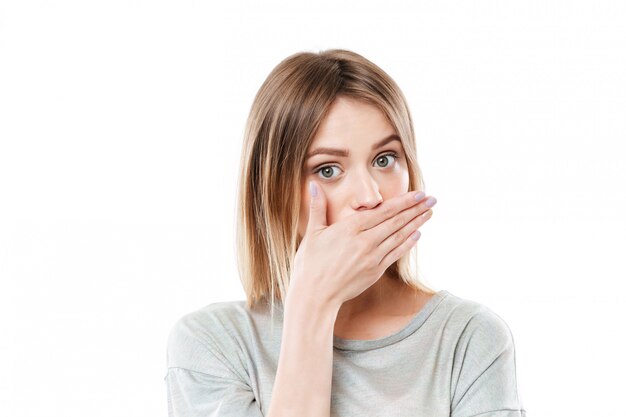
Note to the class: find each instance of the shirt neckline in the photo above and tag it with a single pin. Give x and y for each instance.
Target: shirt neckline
(415, 323)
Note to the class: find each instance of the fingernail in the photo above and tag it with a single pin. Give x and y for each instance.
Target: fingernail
(416, 235)
(430, 202)
(312, 188)
(419, 196)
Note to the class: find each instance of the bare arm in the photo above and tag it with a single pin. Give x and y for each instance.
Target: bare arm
(303, 380)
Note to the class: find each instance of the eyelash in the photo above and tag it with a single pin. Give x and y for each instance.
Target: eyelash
(394, 154)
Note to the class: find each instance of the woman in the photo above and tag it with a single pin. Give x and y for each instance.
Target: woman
(330, 200)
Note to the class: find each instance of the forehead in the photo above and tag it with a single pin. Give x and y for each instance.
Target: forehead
(350, 120)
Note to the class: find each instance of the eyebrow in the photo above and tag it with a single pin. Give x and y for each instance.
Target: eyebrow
(346, 153)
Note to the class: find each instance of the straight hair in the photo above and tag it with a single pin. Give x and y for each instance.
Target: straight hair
(283, 120)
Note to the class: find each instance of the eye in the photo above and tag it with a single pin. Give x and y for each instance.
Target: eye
(328, 169)
(384, 157)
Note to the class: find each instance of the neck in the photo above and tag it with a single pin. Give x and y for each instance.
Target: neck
(386, 297)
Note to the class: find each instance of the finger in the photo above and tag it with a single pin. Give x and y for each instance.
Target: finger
(398, 238)
(387, 209)
(389, 227)
(317, 208)
(399, 251)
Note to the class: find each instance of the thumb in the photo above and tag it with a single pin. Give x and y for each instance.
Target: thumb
(317, 207)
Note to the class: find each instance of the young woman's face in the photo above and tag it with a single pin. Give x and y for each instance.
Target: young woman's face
(369, 175)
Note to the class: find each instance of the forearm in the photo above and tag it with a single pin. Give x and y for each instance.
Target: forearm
(304, 376)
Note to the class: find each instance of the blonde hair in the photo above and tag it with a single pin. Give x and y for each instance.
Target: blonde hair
(284, 117)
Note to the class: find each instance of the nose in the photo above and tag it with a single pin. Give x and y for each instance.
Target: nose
(366, 194)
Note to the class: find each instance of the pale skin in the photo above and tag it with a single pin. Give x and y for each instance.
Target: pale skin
(361, 181)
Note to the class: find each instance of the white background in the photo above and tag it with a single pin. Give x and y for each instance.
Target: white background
(121, 126)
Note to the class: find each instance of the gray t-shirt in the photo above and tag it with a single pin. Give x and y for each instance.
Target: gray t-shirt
(455, 358)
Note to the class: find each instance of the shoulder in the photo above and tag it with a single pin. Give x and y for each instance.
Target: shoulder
(469, 319)
(199, 337)
(212, 315)
(483, 368)
(476, 334)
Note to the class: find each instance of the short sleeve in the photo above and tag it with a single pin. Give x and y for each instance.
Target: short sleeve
(205, 377)
(484, 379)
(194, 394)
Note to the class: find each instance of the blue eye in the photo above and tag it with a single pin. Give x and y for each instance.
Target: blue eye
(328, 169)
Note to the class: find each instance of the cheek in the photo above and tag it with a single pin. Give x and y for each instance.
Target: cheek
(401, 181)
(395, 186)
(403, 184)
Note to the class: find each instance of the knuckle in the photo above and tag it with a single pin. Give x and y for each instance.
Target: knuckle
(422, 217)
(399, 237)
(398, 222)
(388, 211)
(373, 264)
(370, 262)
(391, 256)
